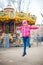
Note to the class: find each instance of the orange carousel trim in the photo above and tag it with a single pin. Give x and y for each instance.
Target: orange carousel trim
(18, 17)
(24, 16)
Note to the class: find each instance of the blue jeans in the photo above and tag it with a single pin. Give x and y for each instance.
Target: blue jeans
(26, 41)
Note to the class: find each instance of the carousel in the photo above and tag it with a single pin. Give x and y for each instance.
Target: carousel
(10, 20)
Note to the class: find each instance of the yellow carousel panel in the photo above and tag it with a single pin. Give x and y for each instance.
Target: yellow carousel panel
(20, 16)
(31, 19)
(3, 15)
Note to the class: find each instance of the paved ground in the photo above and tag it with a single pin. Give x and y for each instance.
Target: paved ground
(13, 56)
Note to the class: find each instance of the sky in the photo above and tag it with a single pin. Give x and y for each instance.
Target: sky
(29, 6)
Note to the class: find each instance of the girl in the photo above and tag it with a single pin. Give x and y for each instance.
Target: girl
(25, 29)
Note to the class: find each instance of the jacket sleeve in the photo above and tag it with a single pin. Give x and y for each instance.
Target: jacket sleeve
(34, 27)
(19, 28)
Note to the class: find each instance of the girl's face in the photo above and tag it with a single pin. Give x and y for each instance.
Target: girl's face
(24, 22)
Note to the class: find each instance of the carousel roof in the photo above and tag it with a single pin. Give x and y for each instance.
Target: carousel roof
(9, 6)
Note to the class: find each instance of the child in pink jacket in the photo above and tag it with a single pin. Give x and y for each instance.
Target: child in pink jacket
(25, 29)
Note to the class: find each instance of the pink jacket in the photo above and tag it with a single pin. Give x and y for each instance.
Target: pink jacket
(26, 29)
